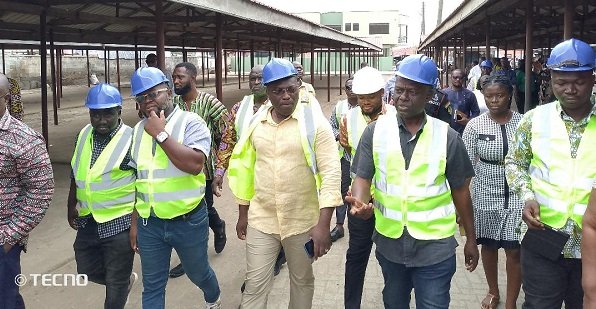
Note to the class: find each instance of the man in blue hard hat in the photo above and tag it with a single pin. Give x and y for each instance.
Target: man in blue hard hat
(169, 151)
(285, 176)
(421, 177)
(102, 196)
(550, 165)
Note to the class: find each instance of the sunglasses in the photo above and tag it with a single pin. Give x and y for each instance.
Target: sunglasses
(289, 90)
(142, 98)
(349, 88)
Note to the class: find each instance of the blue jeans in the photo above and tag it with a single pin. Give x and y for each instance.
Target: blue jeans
(156, 238)
(10, 267)
(431, 284)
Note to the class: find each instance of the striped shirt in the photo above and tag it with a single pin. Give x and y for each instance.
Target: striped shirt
(26, 180)
(215, 114)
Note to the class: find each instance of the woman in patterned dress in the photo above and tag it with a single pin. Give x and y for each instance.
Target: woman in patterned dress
(497, 210)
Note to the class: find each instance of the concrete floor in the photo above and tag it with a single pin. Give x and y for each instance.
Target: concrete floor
(50, 246)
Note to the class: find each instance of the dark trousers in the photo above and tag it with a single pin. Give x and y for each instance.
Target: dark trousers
(214, 219)
(106, 261)
(359, 247)
(10, 267)
(346, 181)
(547, 284)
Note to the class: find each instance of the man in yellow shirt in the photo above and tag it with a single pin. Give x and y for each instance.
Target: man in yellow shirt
(304, 86)
(285, 142)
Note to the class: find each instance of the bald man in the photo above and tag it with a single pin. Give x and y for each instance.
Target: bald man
(26, 188)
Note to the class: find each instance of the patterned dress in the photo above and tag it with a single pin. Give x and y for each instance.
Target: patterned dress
(497, 210)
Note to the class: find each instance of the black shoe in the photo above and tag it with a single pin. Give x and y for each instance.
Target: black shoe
(219, 237)
(281, 259)
(337, 233)
(177, 271)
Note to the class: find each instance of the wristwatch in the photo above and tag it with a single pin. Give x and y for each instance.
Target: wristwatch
(162, 136)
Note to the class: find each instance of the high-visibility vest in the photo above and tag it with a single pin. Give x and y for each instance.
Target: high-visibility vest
(161, 186)
(104, 191)
(246, 113)
(418, 198)
(357, 122)
(341, 108)
(242, 162)
(561, 184)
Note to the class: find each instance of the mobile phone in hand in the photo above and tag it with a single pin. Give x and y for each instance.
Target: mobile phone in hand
(309, 247)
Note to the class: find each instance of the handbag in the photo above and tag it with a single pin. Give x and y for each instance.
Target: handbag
(548, 243)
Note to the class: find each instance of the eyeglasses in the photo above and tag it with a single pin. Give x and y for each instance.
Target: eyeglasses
(349, 88)
(289, 90)
(457, 77)
(142, 98)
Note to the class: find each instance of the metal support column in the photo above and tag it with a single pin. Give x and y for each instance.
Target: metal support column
(218, 56)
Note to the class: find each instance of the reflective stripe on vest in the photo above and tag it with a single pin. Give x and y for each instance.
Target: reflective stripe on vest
(162, 188)
(104, 191)
(419, 197)
(242, 160)
(561, 184)
(246, 113)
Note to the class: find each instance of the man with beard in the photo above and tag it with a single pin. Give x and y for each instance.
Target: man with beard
(210, 109)
(421, 175)
(285, 176)
(304, 86)
(169, 151)
(368, 86)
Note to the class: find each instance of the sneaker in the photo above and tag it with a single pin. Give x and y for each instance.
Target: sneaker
(177, 271)
(215, 305)
(133, 278)
(337, 233)
(219, 238)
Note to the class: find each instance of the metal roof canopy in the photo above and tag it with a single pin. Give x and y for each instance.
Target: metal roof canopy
(505, 21)
(188, 23)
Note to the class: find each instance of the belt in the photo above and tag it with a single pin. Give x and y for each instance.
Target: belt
(500, 162)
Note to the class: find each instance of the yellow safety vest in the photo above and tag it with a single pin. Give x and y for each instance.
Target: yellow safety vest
(561, 184)
(357, 122)
(418, 198)
(246, 113)
(242, 162)
(104, 191)
(161, 186)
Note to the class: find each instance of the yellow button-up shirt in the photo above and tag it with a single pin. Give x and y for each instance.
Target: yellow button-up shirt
(286, 200)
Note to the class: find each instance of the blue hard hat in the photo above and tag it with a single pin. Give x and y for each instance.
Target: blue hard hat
(572, 55)
(276, 69)
(146, 78)
(486, 64)
(103, 96)
(419, 68)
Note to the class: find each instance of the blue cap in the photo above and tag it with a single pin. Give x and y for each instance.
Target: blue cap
(146, 78)
(419, 68)
(103, 96)
(486, 64)
(276, 69)
(571, 56)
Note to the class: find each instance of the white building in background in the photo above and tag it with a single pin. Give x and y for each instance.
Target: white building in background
(384, 28)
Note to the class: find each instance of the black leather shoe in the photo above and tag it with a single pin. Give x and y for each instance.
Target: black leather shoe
(177, 271)
(281, 259)
(337, 233)
(219, 237)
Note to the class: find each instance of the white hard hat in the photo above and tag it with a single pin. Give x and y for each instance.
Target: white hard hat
(367, 80)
